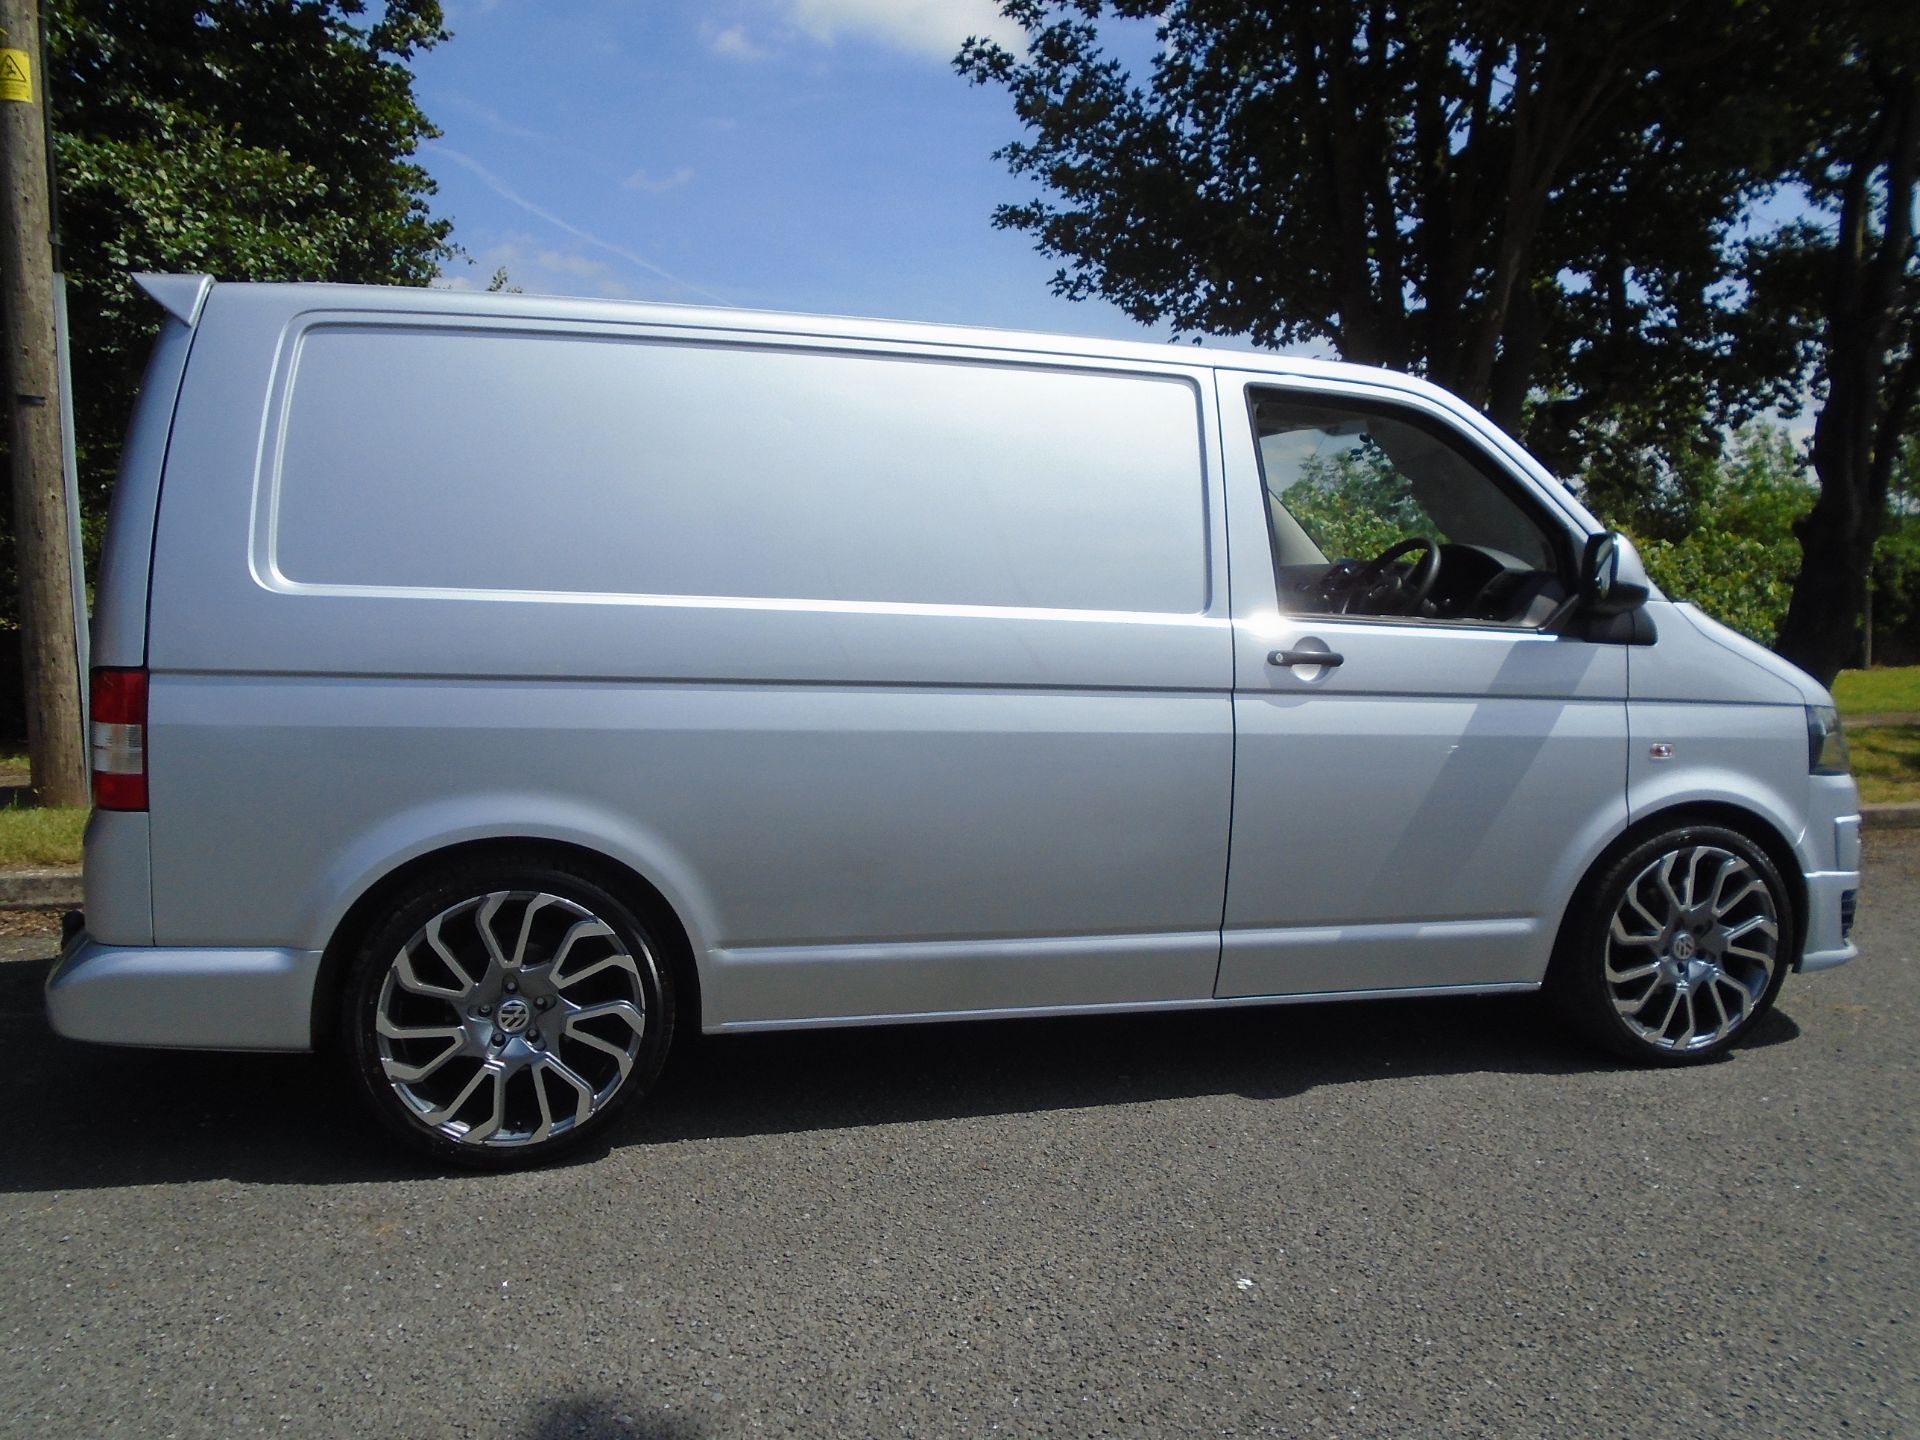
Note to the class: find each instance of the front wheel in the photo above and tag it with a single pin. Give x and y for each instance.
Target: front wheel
(505, 1012)
(1677, 948)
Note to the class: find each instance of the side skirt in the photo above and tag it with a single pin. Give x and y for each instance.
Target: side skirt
(838, 1022)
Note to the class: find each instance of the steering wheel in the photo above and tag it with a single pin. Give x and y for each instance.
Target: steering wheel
(1376, 589)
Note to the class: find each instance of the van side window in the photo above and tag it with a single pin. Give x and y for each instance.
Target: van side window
(1376, 511)
(519, 461)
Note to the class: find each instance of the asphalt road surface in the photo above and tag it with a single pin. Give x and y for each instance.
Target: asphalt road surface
(1409, 1218)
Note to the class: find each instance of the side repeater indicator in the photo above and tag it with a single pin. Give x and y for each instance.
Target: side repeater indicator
(1660, 750)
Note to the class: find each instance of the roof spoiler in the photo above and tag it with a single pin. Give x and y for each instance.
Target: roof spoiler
(181, 296)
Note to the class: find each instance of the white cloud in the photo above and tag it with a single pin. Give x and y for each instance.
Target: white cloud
(540, 270)
(582, 269)
(734, 43)
(506, 192)
(657, 185)
(932, 28)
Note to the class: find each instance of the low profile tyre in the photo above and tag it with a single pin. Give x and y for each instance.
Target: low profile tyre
(1677, 948)
(504, 1013)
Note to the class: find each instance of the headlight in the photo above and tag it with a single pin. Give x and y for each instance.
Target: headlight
(1826, 741)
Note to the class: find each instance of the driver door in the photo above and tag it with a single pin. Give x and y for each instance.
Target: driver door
(1416, 815)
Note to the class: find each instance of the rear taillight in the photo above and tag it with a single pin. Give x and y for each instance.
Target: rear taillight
(120, 739)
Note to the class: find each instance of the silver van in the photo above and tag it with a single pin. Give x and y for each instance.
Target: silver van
(491, 686)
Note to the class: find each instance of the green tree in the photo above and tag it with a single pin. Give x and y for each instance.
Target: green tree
(1508, 197)
(1848, 288)
(1356, 505)
(1721, 533)
(1539, 207)
(1895, 577)
(250, 139)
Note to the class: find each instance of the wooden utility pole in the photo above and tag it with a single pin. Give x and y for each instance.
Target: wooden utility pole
(48, 660)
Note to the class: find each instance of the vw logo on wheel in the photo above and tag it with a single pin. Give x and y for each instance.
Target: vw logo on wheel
(514, 1015)
(1682, 950)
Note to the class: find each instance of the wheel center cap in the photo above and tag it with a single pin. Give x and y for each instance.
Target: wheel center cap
(1682, 950)
(513, 1015)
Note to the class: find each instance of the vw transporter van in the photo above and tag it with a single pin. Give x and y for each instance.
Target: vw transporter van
(490, 687)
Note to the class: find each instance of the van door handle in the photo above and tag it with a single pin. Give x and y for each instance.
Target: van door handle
(1321, 659)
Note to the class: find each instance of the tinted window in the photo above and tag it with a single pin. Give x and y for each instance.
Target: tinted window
(1348, 485)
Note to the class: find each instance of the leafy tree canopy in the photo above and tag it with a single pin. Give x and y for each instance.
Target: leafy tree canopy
(1720, 532)
(1508, 197)
(1356, 505)
(1544, 208)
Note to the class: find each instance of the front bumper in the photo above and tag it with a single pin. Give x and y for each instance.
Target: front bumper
(1830, 895)
(190, 999)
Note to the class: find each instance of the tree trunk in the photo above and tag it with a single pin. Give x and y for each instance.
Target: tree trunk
(1821, 633)
(1519, 355)
(48, 653)
(1870, 392)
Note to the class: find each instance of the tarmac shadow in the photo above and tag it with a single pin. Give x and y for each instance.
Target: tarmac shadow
(86, 1116)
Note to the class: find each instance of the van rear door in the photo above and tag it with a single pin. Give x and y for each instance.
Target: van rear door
(119, 895)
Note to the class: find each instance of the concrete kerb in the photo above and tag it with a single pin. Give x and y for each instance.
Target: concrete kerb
(50, 889)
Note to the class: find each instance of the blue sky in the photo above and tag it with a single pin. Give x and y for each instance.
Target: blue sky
(814, 155)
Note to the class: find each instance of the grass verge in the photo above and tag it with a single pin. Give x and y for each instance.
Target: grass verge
(1894, 688)
(1886, 762)
(31, 838)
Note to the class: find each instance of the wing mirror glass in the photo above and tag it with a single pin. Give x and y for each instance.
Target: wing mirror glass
(1612, 580)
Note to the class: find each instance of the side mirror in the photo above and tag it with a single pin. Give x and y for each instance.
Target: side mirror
(1612, 579)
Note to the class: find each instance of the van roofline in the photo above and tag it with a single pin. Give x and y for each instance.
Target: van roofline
(190, 294)
(183, 296)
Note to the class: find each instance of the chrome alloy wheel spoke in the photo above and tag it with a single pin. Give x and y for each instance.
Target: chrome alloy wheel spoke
(439, 946)
(1685, 993)
(1665, 880)
(587, 1101)
(588, 929)
(1624, 936)
(1691, 947)
(1720, 1004)
(540, 902)
(1637, 972)
(1732, 870)
(483, 922)
(408, 976)
(485, 984)
(454, 1035)
(1742, 998)
(1753, 922)
(447, 1111)
(1673, 1006)
(1647, 916)
(619, 1009)
(1634, 1004)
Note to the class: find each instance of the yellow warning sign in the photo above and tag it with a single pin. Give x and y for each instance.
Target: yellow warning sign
(16, 76)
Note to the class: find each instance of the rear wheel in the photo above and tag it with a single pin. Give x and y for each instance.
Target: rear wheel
(505, 1012)
(1677, 948)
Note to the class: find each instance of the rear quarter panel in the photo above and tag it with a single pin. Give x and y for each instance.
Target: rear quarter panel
(798, 780)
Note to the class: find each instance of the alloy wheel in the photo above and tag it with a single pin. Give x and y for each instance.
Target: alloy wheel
(511, 1018)
(1692, 948)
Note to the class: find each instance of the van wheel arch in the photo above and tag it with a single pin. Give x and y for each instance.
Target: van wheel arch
(1752, 826)
(1612, 1008)
(632, 887)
